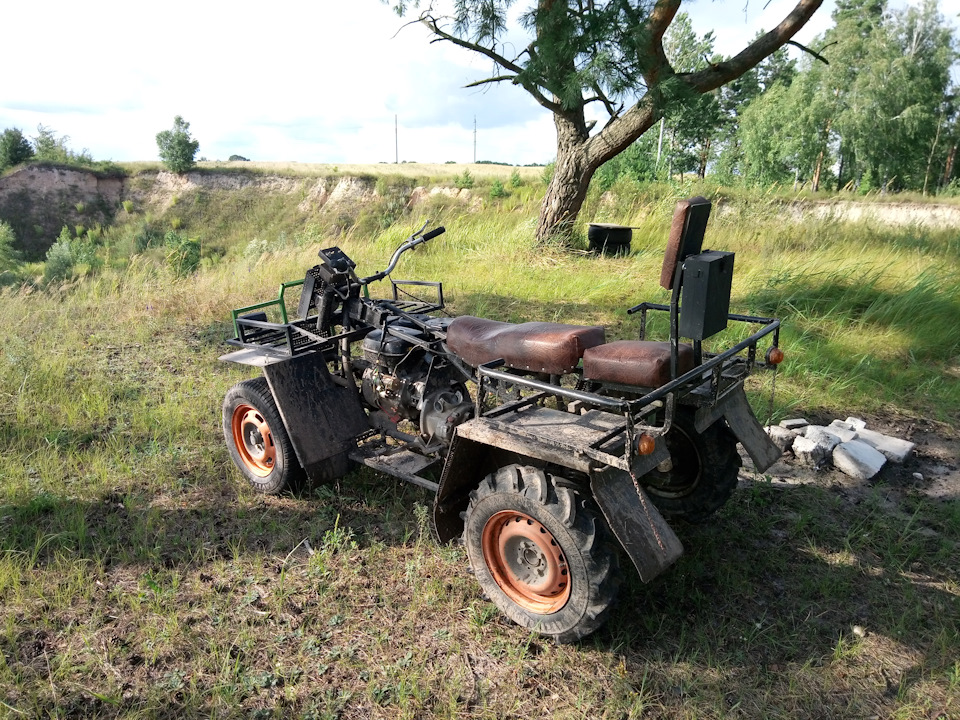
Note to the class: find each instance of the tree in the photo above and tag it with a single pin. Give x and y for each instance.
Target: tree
(177, 148)
(14, 148)
(580, 53)
(53, 149)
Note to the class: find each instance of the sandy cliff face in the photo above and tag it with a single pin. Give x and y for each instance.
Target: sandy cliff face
(38, 201)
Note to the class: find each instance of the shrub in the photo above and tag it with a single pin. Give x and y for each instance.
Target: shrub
(8, 256)
(464, 181)
(237, 158)
(177, 149)
(497, 190)
(60, 260)
(515, 179)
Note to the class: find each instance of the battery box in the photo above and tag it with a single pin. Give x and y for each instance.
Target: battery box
(705, 303)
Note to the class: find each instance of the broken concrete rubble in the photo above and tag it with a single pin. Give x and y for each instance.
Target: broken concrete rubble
(852, 448)
(858, 460)
(809, 452)
(782, 437)
(893, 448)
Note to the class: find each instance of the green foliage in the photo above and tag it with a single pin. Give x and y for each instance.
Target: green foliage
(178, 149)
(497, 190)
(515, 179)
(637, 163)
(14, 148)
(183, 254)
(879, 113)
(60, 259)
(464, 181)
(53, 149)
(9, 257)
(238, 158)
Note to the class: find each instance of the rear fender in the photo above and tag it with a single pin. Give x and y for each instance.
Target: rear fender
(634, 519)
(735, 409)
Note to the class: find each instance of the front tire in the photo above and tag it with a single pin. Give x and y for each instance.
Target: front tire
(541, 553)
(703, 470)
(257, 439)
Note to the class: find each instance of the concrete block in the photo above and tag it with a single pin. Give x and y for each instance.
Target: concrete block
(894, 449)
(781, 437)
(843, 430)
(809, 452)
(794, 423)
(858, 460)
(823, 436)
(856, 423)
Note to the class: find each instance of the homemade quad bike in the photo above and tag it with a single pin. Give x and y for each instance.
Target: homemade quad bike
(567, 444)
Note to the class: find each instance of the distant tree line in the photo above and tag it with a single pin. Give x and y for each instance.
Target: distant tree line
(870, 106)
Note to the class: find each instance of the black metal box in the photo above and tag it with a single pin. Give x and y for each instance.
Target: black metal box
(705, 303)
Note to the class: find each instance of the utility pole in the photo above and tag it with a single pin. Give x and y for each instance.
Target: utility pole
(474, 139)
(396, 140)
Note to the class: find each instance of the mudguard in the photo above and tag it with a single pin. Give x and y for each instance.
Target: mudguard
(735, 409)
(322, 418)
(634, 519)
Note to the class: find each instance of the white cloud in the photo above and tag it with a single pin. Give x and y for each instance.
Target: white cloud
(316, 81)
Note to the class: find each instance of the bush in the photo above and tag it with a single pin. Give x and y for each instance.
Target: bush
(177, 149)
(464, 181)
(497, 190)
(237, 158)
(8, 256)
(515, 179)
(60, 260)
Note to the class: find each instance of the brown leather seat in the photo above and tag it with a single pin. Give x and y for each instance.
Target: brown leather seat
(537, 346)
(635, 362)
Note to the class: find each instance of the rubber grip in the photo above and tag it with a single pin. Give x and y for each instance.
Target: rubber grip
(433, 233)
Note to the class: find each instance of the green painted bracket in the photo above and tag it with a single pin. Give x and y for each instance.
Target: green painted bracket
(269, 303)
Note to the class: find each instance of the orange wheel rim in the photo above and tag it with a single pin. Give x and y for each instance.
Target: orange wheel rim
(253, 440)
(526, 562)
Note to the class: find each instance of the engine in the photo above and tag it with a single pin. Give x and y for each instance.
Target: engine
(407, 383)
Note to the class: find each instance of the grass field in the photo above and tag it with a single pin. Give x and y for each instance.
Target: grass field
(140, 578)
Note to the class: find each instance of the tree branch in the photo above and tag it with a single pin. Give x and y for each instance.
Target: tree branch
(495, 79)
(817, 55)
(721, 73)
(661, 16)
(431, 24)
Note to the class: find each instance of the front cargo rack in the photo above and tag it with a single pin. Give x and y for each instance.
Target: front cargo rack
(289, 338)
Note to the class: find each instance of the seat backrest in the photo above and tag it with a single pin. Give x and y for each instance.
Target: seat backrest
(686, 236)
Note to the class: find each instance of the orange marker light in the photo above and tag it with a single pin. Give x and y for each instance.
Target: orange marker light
(646, 444)
(774, 356)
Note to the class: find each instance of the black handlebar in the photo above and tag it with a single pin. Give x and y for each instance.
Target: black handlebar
(412, 242)
(440, 230)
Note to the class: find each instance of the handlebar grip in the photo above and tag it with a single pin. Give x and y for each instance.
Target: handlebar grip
(433, 233)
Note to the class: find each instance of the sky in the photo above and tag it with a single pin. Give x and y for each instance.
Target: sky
(325, 81)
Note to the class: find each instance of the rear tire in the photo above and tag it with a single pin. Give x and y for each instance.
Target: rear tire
(541, 553)
(257, 439)
(703, 473)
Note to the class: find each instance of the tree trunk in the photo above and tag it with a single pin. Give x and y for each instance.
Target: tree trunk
(571, 178)
(948, 170)
(815, 183)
